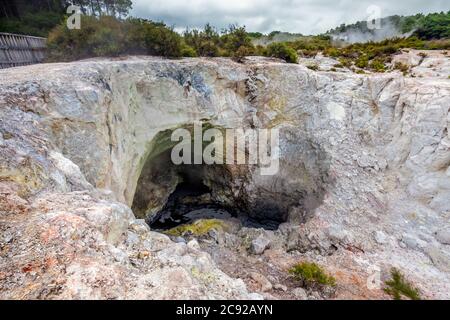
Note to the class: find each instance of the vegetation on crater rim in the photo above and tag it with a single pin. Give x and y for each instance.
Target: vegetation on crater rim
(107, 32)
(398, 287)
(311, 274)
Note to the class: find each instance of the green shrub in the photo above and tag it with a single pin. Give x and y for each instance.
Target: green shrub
(282, 51)
(378, 65)
(204, 42)
(314, 67)
(311, 274)
(398, 287)
(362, 62)
(187, 51)
(344, 62)
(434, 26)
(401, 67)
(237, 42)
(332, 52)
(109, 36)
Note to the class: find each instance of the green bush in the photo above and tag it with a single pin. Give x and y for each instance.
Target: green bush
(434, 26)
(233, 42)
(187, 51)
(237, 41)
(344, 63)
(282, 51)
(332, 52)
(401, 67)
(109, 36)
(378, 65)
(362, 62)
(152, 38)
(204, 42)
(398, 287)
(311, 274)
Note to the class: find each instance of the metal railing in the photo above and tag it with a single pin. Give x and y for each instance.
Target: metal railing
(19, 50)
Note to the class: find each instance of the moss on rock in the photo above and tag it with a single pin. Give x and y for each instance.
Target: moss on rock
(198, 228)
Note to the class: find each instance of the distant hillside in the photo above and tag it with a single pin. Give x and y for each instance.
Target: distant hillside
(425, 27)
(274, 36)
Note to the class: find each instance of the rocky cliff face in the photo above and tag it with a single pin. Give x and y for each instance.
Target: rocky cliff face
(364, 180)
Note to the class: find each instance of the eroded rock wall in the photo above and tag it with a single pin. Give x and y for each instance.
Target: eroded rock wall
(361, 156)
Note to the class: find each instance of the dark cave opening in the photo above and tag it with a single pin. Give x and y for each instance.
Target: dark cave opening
(193, 200)
(169, 195)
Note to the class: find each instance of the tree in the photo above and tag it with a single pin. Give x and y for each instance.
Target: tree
(237, 42)
(205, 42)
(38, 17)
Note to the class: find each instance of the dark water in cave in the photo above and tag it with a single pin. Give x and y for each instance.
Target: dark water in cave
(192, 201)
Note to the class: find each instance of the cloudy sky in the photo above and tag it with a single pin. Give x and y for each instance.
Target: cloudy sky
(303, 16)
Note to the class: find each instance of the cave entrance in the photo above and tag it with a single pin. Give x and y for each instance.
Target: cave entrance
(169, 195)
(190, 201)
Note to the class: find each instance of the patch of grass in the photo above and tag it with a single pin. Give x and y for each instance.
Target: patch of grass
(312, 274)
(314, 67)
(399, 287)
(378, 65)
(401, 67)
(198, 228)
(362, 62)
(345, 62)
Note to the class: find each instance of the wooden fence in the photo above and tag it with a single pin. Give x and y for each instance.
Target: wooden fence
(18, 50)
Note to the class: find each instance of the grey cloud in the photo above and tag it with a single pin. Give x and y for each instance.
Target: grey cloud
(304, 16)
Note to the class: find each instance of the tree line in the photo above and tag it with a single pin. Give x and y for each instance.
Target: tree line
(38, 17)
(425, 27)
(108, 31)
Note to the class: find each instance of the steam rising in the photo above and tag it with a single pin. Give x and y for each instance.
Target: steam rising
(387, 31)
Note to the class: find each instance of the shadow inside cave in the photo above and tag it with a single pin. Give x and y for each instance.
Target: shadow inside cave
(168, 195)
